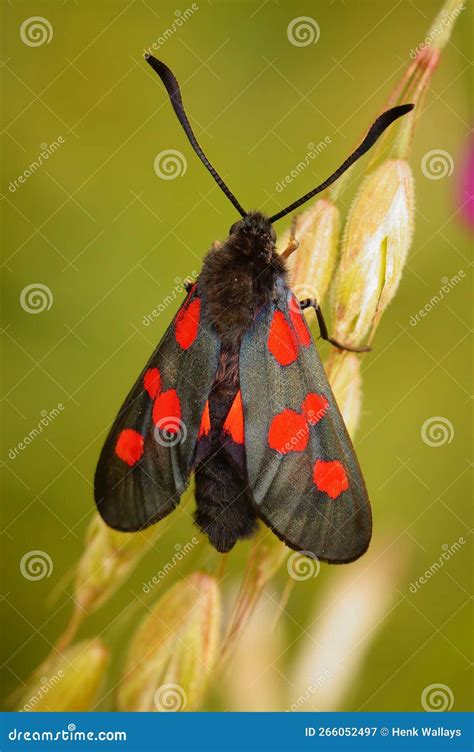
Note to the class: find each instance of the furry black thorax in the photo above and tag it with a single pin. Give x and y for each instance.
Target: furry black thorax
(239, 276)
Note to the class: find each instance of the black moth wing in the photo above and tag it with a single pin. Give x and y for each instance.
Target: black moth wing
(158, 424)
(332, 522)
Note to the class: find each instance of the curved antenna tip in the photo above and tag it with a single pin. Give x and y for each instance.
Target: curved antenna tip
(403, 109)
(375, 131)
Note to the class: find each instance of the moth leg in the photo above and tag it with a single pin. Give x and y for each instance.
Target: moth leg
(312, 303)
(292, 242)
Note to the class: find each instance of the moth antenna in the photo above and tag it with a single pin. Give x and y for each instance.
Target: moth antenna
(376, 130)
(174, 93)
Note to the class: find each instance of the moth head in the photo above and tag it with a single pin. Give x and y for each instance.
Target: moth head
(254, 235)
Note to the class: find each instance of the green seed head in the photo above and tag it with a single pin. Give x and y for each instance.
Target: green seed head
(174, 649)
(70, 682)
(375, 247)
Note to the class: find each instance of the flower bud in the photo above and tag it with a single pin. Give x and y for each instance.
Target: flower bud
(174, 649)
(312, 264)
(70, 682)
(109, 556)
(346, 383)
(375, 247)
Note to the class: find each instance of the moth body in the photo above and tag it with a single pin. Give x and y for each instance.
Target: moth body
(235, 393)
(238, 277)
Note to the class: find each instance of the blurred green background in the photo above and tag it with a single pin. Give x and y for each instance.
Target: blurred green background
(108, 237)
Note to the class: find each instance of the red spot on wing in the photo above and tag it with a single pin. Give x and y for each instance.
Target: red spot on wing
(282, 342)
(167, 412)
(234, 423)
(152, 382)
(288, 432)
(301, 327)
(330, 477)
(205, 426)
(129, 446)
(187, 323)
(314, 407)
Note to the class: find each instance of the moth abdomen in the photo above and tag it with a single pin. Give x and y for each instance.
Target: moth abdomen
(224, 509)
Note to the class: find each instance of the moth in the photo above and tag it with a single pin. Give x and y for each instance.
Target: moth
(236, 393)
